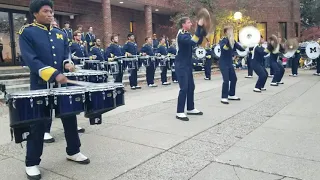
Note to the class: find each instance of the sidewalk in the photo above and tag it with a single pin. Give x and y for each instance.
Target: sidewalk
(267, 136)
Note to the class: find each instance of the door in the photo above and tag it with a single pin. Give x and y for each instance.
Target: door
(18, 20)
(5, 40)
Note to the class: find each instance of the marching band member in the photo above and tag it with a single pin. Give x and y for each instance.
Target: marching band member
(90, 37)
(162, 49)
(208, 63)
(147, 49)
(68, 31)
(274, 55)
(130, 48)
(77, 49)
(115, 50)
(184, 66)
(249, 64)
(172, 51)
(83, 37)
(155, 42)
(228, 46)
(295, 63)
(318, 63)
(44, 50)
(97, 51)
(258, 54)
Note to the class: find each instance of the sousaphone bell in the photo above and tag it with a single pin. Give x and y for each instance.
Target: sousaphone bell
(291, 46)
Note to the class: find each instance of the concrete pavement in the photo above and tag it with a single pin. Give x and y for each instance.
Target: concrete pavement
(267, 136)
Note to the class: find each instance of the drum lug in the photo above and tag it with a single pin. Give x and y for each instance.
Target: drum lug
(47, 101)
(70, 99)
(104, 95)
(55, 100)
(90, 96)
(31, 103)
(115, 93)
(14, 103)
(83, 98)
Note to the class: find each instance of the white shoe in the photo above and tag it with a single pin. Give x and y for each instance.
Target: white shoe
(256, 90)
(224, 101)
(182, 117)
(295, 75)
(194, 112)
(274, 84)
(263, 89)
(150, 85)
(175, 81)
(248, 77)
(233, 98)
(138, 87)
(79, 158)
(47, 138)
(154, 85)
(33, 172)
(81, 130)
(166, 83)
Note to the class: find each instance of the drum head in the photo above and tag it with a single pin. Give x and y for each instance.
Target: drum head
(68, 90)
(289, 54)
(217, 50)
(313, 50)
(243, 53)
(201, 52)
(92, 61)
(32, 93)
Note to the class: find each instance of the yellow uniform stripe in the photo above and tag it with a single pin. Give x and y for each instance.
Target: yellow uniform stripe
(266, 50)
(46, 74)
(195, 38)
(209, 56)
(225, 47)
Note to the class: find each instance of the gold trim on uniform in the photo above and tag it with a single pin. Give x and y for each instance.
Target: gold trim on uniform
(46, 72)
(195, 38)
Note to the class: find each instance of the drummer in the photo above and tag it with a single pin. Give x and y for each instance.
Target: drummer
(96, 50)
(162, 49)
(130, 48)
(147, 49)
(172, 51)
(44, 50)
(115, 50)
(77, 49)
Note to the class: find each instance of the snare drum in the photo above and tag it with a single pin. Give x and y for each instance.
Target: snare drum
(119, 93)
(29, 107)
(112, 67)
(172, 65)
(99, 99)
(130, 63)
(92, 64)
(162, 61)
(68, 101)
(145, 60)
(76, 76)
(95, 76)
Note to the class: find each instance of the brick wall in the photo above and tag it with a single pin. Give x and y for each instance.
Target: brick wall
(271, 11)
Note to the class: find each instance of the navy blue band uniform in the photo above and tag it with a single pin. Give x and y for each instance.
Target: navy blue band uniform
(226, 67)
(163, 50)
(295, 62)
(112, 51)
(150, 70)
(172, 51)
(90, 39)
(97, 51)
(249, 63)
(258, 54)
(208, 62)
(184, 67)
(277, 67)
(69, 33)
(132, 48)
(44, 49)
(77, 50)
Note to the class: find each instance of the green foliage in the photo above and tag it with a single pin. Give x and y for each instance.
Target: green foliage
(310, 13)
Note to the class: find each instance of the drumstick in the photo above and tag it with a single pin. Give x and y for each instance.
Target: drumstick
(80, 83)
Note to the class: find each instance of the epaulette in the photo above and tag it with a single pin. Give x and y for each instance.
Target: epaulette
(91, 48)
(23, 27)
(145, 44)
(70, 43)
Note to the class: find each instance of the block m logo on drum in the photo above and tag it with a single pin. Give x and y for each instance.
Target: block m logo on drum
(313, 50)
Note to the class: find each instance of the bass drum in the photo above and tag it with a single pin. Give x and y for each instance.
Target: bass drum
(216, 51)
(313, 50)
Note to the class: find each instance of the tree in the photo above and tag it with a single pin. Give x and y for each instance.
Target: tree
(310, 13)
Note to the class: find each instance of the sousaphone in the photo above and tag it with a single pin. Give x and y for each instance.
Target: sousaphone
(249, 36)
(291, 46)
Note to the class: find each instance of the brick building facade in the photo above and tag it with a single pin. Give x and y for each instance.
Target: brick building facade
(144, 17)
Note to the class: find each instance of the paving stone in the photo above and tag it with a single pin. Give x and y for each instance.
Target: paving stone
(199, 149)
(166, 166)
(218, 171)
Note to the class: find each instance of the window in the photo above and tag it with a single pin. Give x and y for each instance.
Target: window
(296, 27)
(283, 29)
(262, 27)
(153, 28)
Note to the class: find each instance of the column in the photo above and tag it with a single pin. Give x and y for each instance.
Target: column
(107, 23)
(148, 20)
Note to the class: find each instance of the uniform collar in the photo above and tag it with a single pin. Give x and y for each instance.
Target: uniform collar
(41, 26)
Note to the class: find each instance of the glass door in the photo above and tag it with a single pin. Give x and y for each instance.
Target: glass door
(18, 20)
(5, 40)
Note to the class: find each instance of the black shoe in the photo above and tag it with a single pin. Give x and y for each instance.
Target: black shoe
(52, 140)
(138, 87)
(37, 177)
(197, 114)
(280, 82)
(182, 118)
(133, 88)
(81, 130)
